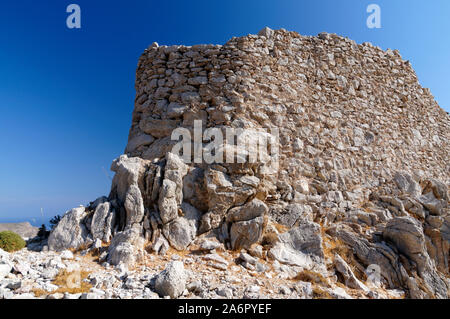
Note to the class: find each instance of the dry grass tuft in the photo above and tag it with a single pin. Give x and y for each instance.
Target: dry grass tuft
(319, 293)
(70, 282)
(269, 240)
(312, 277)
(333, 246)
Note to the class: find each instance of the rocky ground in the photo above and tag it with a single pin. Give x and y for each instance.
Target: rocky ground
(207, 270)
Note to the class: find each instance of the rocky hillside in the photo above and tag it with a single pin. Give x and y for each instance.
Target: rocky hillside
(349, 198)
(25, 229)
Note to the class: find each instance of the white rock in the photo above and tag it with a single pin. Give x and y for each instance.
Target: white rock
(5, 269)
(172, 281)
(67, 255)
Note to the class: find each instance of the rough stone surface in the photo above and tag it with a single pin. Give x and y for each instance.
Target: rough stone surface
(356, 192)
(70, 231)
(243, 234)
(172, 281)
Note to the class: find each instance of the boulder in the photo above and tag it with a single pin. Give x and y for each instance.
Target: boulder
(208, 245)
(407, 235)
(102, 224)
(129, 171)
(285, 254)
(67, 254)
(301, 246)
(407, 184)
(251, 210)
(134, 205)
(243, 234)
(126, 247)
(346, 272)
(438, 188)
(70, 231)
(434, 205)
(182, 231)
(168, 206)
(305, 238)
(172, 280)
(288, 215)
(5, 269)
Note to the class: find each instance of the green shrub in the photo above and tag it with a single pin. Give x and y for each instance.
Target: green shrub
(43, 233)
(10, 241)
(55, 221)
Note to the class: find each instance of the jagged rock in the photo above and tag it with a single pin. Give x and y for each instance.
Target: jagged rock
(396, 205)
(407, 235)
(407, 184)
(267, 32)
(291, 213)
(209, 245)
(301, 246)
(160, 245)
(194, 189)
(306, 238)
(350, 279)
(172, 280)
(171, 192)
(221, 197)
(182, 231)
(379, 254)
(102, 222)
(414, 207)
(434, 205)
(252, 209)
(391, 268)
(134, 205)
(175, 171)
(439, 189)
(168, 206)
(70, 231)
(126, 247)
(245, 233)
(130, 171)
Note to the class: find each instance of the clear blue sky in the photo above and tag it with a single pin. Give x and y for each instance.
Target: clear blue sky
(66, 96)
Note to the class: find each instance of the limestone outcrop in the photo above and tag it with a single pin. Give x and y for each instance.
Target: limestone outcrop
(354, 176)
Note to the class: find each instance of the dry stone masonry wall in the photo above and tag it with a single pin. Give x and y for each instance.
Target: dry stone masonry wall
(363, 162)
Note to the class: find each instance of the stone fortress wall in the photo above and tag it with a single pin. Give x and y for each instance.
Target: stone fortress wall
(352, 114)
(363, 159)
